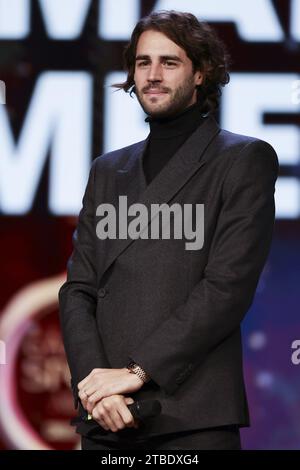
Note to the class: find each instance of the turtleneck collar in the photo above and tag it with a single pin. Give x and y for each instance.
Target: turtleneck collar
(182, 123)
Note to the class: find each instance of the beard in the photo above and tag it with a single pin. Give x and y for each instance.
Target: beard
(179, 99)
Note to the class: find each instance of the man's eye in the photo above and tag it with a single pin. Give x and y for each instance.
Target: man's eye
(143, 64)
(170, 64)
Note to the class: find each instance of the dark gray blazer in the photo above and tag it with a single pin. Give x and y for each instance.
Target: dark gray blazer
(176, 312)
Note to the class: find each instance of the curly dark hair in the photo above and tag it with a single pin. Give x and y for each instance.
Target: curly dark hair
(201, 44)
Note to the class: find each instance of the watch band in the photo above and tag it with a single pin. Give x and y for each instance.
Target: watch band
(139, 371)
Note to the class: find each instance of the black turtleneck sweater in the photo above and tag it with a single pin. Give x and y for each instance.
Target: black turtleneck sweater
(166, 136)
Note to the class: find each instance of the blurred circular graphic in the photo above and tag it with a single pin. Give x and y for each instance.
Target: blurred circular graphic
(264, 379)
(36, 403)
(257, 340)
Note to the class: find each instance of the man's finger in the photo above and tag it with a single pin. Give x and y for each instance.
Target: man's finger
(84, 403)
(104, 421)
(95, 398)
(83, 395)
(114, 412)
(83, 382)
(116, 418)
(126, 414)
(129, 401)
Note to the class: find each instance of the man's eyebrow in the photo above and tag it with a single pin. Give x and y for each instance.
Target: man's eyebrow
(162, 57)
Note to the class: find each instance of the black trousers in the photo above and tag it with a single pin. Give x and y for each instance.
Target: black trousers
(221, 438)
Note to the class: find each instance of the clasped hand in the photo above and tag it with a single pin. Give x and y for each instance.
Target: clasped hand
(101, 394)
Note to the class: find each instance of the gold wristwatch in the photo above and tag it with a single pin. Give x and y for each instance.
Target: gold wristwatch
(136, 369)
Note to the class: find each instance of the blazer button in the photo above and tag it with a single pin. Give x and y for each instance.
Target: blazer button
(102, 292)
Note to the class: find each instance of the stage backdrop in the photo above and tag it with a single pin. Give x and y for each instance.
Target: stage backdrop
(57, 111)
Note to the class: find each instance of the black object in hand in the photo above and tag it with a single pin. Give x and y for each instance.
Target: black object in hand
(144, 409)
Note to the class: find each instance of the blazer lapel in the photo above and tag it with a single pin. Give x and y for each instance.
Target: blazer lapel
(174, 175)
(131, 179)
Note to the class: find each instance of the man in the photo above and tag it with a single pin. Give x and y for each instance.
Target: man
(175, 312)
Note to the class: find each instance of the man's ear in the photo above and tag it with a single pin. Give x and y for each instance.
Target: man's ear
(199, 77)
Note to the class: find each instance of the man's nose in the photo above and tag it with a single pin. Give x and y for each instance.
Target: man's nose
(155, 73)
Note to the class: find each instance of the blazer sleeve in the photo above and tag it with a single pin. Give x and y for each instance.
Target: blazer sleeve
(218, 303)
(78, 297)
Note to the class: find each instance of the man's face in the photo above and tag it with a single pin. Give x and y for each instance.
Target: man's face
(164, 80)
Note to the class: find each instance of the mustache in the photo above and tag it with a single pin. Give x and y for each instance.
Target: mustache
(156, 88)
